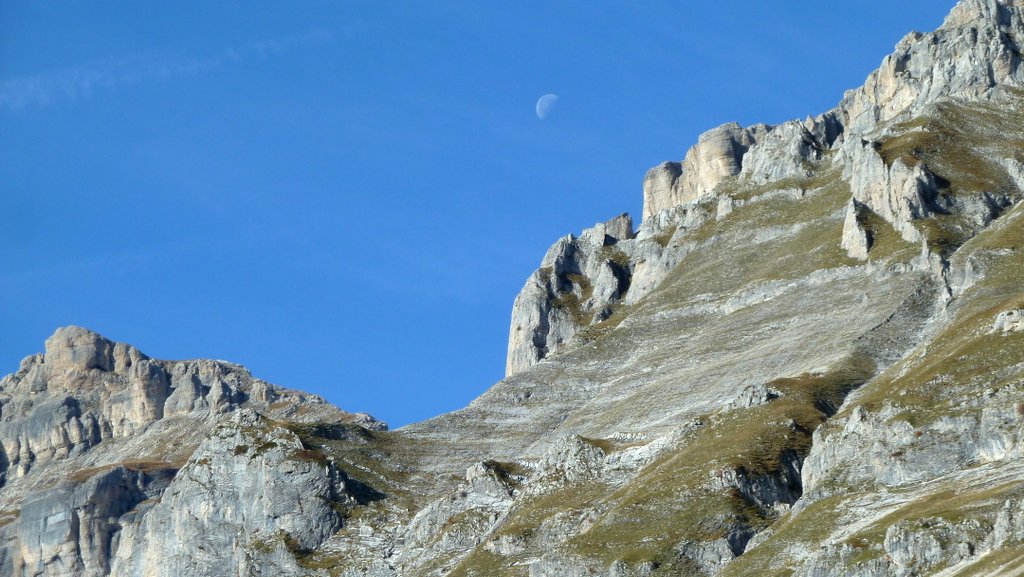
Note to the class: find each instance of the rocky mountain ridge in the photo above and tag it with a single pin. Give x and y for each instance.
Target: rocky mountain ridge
(110, 429)
(973, 57)
(807, 360)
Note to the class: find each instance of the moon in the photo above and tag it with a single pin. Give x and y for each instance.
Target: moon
(545, 105)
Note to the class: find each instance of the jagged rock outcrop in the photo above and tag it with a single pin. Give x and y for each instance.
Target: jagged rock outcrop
(1011, 321)
(791, 149)
(976, 51)
(759, 154)
(718, 154)
(584, 282)
(249, 498)
(578, 280)
(453, 525)
(900, 194)
(857, 238)
(97, 441)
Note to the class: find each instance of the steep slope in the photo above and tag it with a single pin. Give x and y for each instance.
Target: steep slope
(807, 360)
(805, 264)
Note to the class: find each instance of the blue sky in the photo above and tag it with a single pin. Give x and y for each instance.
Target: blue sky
(346, 196)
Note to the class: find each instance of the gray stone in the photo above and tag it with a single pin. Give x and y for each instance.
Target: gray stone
(1011, 321)
(249, 488)
(857, 239)
(718, 154)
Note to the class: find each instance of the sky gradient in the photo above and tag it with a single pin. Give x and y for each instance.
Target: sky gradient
(346, 196)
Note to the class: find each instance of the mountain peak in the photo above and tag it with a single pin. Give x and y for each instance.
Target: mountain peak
(998, 13)
(976, 50)
(74, 347)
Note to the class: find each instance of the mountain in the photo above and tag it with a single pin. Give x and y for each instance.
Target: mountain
(807, 360)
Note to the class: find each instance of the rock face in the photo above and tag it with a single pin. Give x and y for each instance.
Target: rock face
(807, 360)
(975, 50)
(247, 495)
(971, 56)
(790, 149)
(759, 154)
(70, 530)
(97, 441)
(1009, 322)
(578, 280)
(717, 155)
(899, 193)
(585, 283)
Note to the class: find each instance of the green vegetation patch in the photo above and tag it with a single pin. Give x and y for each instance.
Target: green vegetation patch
(614, 254)
(962, 145)
(808, 233)
(673, 500)
(376, 460)
(606, 445)
(482, 563)
(592, 333)
(887, 245)
(953, 505)
(510, 473)
(527, 515)
(946, 375)
(1002, 562)
(572, 302)
(9, 516)
(663, 237)
(958, 365)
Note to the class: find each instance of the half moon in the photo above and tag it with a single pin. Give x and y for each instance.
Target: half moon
(545, 105)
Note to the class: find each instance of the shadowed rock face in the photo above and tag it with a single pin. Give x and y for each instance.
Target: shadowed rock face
(807, 360)
(578, 282)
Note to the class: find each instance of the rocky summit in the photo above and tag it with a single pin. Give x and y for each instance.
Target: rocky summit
(806, 360)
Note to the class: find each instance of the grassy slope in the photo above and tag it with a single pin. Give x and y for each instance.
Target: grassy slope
(962, 145)
(670, 501)
(958, 372)
(964, 359)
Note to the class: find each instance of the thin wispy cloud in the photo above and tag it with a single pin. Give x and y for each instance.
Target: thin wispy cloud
(110, 74)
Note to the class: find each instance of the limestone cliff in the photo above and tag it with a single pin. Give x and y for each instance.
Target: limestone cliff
(96, 437)
(807, 360)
